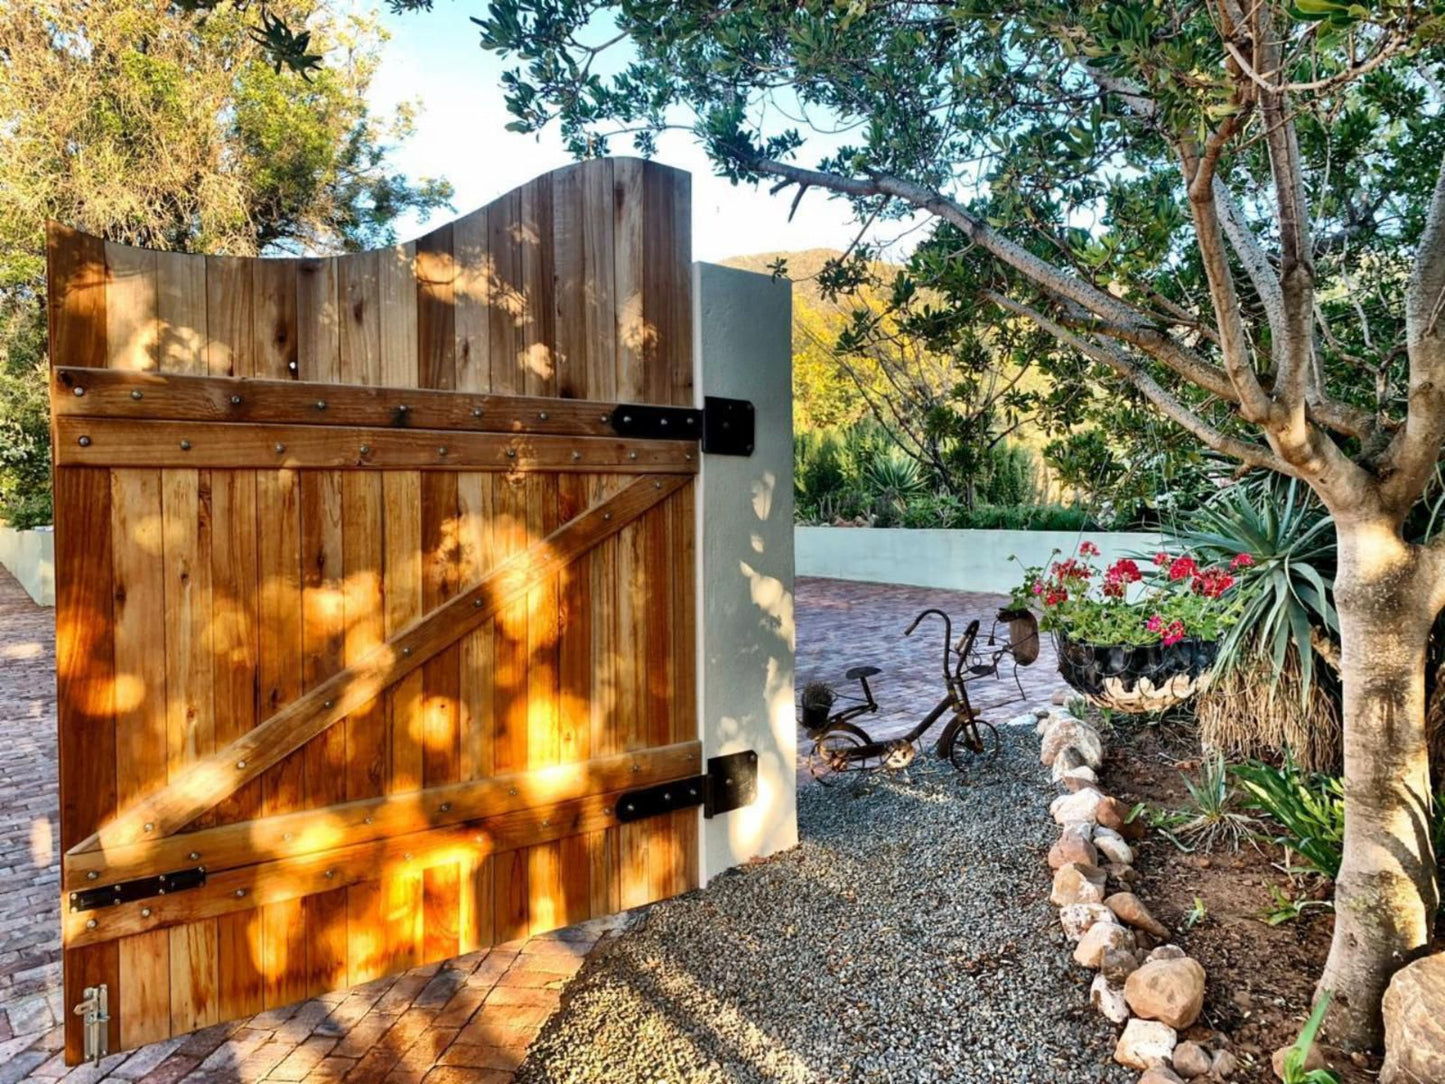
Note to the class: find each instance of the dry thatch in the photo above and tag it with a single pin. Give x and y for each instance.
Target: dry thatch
(1249, 711)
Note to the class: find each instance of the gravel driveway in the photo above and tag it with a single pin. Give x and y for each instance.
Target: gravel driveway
(908, 938)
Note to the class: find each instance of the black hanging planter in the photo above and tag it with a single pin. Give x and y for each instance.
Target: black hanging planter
(1137, 679)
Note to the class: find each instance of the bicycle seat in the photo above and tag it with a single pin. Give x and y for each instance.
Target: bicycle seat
(859, 672)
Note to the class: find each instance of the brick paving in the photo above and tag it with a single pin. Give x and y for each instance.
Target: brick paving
(464, 1021)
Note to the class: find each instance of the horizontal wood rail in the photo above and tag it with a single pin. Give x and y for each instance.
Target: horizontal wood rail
(104, 442)
(289, 835)
(153, 396)
(214, 778)
(292, 878)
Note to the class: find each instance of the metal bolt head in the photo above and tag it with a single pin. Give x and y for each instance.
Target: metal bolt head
(402, 408)
(137, 394)
(442, 450)
(606, 515)
(185, 446)
(280, 447)
(662, 421)
(477, 603)
(91, 924)
(286, 837)
(476, 412)
(511, 453)
(240, 892)
(631, 455)
(656, 485)
(150, 826)
(194, 855)
(542, 416)
(687, 455)
(406, 857)
(366, 449)
(79, 390)
(546, 822)
(240, 763)
(512, 791)
(446, 807)
(329, 874)
(92, 875)
(626, 418)
(235, 400)
(603, 418)
(321, 404)
(145, 912)
(84, 442)
(576, 456)
(406, 651)
(328, 703)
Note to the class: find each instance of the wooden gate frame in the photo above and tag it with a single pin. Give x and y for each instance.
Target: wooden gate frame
(118, 409)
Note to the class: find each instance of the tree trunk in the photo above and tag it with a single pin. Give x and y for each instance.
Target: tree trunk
(1386, 897)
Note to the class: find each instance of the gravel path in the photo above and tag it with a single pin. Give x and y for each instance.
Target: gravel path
(909, 938)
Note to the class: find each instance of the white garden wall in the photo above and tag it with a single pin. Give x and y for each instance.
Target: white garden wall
(958, 560)
(30, 557)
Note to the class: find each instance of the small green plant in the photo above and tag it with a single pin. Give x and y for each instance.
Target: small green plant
(1078, 707)
(1310, 809)
(1286, 908)
(1196, 914)
(1211, 818)
(1298, 1056)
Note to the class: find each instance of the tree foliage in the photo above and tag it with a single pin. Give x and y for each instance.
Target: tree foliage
(175, 133)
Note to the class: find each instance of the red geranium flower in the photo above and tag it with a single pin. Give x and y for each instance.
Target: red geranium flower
(1161, 558)
(1241, 560)
(1088, 549)
(1183, 568)
(1212, 582)
(1174, 633)
(1155, 623)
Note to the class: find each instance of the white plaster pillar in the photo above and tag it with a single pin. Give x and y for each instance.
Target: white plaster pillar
(743, 350)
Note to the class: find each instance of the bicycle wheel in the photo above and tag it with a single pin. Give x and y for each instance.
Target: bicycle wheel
(831, 752)
(972, 742)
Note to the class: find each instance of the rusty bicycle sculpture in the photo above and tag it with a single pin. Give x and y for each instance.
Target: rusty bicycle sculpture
(841, 745)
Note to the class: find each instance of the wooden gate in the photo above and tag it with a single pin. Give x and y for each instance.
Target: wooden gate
(366, 613)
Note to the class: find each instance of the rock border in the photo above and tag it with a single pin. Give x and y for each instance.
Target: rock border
(1143, 983)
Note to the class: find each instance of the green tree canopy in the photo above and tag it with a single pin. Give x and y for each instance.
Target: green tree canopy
(176, 133)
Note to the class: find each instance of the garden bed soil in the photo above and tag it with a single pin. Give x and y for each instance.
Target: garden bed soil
(1261, 977)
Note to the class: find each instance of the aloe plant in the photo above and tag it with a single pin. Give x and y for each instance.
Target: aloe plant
(1292, 542)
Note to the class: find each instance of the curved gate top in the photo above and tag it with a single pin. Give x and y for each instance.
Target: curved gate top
(368, 607)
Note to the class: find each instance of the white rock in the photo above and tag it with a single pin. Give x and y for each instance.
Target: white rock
(1082, 805)
(1072, 733)
(1114, 849)
(1023, 720)
(1081, 736)
(1109, 1000)
(1098, 939)
(1145, 1043)
(1076, 918)
(1074, 883)
(1082, 774)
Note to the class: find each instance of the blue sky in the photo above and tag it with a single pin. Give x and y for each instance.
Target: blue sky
(435, 59)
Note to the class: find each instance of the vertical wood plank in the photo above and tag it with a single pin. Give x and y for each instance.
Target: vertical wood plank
(506, 299)
(230, 316)
(471, 293)
(539, 334)
(283, 941)
(359, 297)
(132, 329)
(629, 229)
(318, 321)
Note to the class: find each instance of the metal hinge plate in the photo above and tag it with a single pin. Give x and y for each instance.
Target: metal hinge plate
(724, 426)
(94, 1010)
(729, 783)
(142, 888)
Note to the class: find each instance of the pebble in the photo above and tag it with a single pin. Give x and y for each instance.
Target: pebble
(923, 951)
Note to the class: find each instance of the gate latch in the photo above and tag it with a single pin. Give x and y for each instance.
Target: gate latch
(143, 888)
(725, 426)
(729, 783)
(94, 1009)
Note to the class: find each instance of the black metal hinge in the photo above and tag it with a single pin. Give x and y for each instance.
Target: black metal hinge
(725, 426)
(142, 888)
(729, 783)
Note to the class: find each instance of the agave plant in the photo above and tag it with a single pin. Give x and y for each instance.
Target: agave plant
(1292, 542)
(892, 477)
